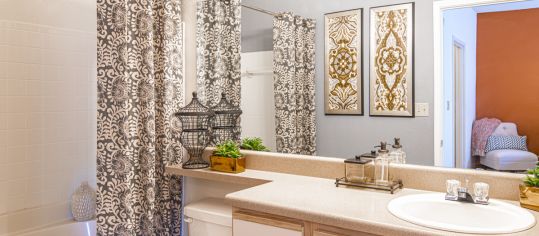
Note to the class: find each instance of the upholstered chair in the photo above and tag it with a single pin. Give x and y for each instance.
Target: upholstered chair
(508, 159)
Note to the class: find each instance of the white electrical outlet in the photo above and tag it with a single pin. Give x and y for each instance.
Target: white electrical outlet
(421, 109)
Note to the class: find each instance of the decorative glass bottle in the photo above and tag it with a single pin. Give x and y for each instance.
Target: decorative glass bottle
(83, 203)
(381, 165)
(397, 155)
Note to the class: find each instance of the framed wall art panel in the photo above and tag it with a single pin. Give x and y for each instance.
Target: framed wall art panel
(392, 60)
(343, 85)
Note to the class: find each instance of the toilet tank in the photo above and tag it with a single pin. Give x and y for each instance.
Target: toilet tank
(208, 217)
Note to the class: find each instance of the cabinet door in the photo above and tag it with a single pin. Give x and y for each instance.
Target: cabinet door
(249, 225)
(326, 230)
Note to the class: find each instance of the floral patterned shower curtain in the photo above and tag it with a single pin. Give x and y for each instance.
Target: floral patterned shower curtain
(218, 50)
(140, 83)
(293, 68)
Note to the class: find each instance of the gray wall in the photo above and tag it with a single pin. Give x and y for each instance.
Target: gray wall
(346, 136)
(256, 30)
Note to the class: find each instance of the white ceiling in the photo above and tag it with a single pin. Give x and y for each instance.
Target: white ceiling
(508, 6)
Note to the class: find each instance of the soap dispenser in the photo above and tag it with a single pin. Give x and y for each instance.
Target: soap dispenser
(381, 165)
(397, 155)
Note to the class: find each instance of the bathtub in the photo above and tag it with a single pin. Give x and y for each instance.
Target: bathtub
(69, 228)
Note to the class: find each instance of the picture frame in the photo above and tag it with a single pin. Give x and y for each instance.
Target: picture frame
(343, 77)
(392, 78)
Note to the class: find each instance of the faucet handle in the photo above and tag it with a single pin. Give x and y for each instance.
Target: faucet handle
(452, 187)
(481, 192)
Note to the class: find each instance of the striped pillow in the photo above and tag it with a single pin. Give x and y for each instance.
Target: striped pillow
(506, 142)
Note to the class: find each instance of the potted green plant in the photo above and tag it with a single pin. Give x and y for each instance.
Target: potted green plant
(227, 158)
(254, 143)
(529, 191)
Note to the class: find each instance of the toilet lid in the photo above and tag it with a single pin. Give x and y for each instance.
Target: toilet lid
(211, 210)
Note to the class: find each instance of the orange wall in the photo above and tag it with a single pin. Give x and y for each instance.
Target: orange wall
(508, 70)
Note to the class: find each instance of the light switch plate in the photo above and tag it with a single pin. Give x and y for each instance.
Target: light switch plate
(421, 109)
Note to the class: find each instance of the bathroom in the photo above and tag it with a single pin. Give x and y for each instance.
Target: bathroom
(95, 102)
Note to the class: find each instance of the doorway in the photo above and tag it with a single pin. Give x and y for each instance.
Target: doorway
(446, 144)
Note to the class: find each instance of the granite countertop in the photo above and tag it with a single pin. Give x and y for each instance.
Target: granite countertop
(318, 200)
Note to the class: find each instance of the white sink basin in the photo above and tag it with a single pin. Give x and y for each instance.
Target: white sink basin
(433, 211)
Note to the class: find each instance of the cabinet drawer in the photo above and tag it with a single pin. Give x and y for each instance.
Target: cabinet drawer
(244, 224)
(248, 228)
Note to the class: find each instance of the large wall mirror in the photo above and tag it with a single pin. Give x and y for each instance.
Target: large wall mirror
(335, 78)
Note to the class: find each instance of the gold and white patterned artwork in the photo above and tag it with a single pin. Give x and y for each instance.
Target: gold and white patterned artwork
(391, 60)
(343, 79)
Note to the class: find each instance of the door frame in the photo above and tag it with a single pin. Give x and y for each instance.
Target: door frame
(438, 8)
(459, 106)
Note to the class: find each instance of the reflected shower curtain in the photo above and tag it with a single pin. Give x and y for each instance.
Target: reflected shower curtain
(218, 50)
(140, 83)
(293, 68)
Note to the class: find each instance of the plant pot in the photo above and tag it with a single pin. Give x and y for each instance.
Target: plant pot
(529, 197)
(227, 164)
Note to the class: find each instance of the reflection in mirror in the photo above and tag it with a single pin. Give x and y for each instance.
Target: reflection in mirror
(483, 112)
(486, 118)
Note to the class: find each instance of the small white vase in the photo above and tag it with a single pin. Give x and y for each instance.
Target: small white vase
(83, 203)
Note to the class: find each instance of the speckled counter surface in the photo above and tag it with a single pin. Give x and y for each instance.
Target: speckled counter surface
(318, 200)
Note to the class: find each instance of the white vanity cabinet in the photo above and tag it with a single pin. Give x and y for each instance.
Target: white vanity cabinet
(249, 223)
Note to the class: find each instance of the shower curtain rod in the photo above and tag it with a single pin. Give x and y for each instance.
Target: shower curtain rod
(260, 10)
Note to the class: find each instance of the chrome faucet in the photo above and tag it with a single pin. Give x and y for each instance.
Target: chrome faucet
(463, 195)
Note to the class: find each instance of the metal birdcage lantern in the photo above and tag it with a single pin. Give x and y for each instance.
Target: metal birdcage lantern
(225, 121)
(195, 137)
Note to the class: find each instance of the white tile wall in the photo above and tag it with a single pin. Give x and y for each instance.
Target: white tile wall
(257, 103)
(47, 114)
